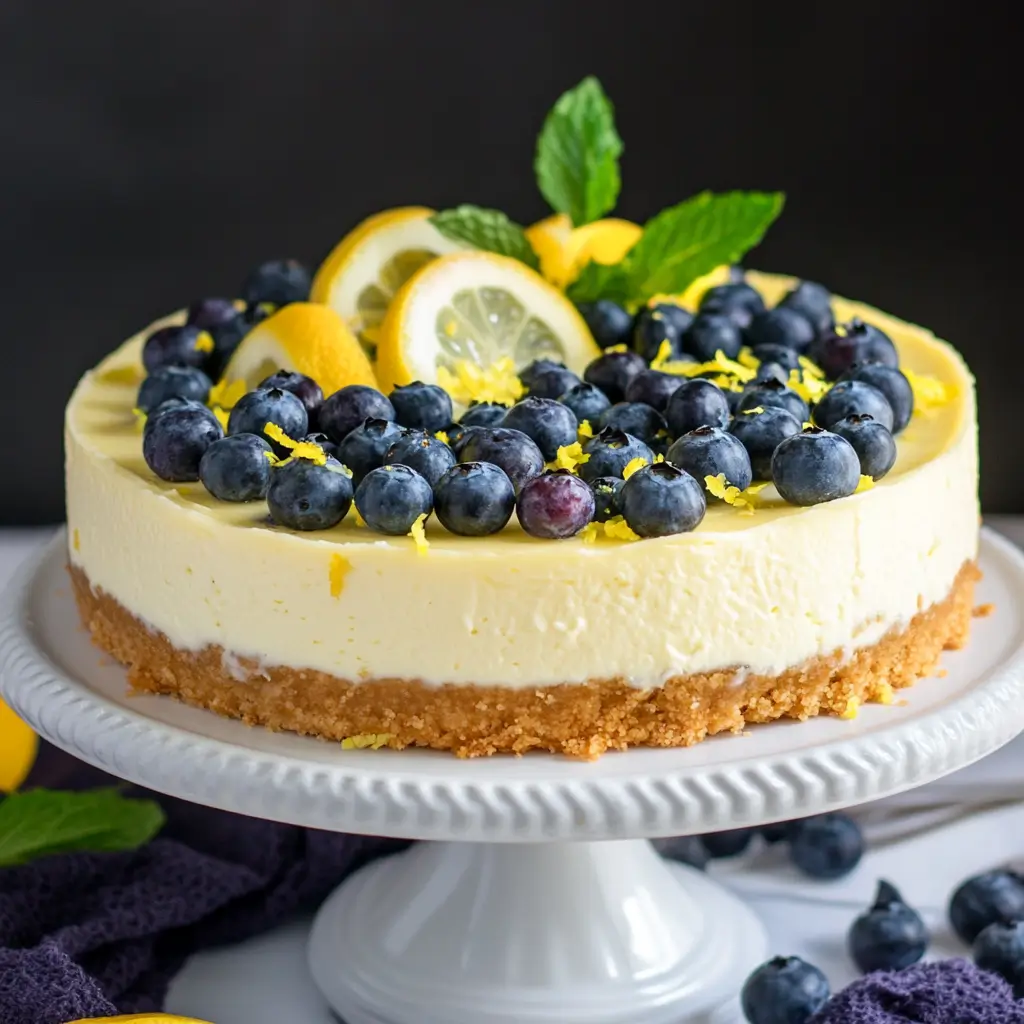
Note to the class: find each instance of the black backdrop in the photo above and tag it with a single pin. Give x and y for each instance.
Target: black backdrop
(152, 152)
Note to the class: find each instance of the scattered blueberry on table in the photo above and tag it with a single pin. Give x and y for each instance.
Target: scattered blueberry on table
(889, 935)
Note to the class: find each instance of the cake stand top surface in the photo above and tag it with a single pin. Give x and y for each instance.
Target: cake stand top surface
(77, 698)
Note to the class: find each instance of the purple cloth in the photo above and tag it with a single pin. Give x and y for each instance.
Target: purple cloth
(944, 992)
(87, 935)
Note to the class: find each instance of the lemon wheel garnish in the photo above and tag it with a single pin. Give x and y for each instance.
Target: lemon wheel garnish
(477, 309)
(564, 250)
(303, 337)
(368, 266)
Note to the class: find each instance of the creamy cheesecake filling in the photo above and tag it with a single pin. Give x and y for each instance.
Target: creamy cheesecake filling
(759, 593)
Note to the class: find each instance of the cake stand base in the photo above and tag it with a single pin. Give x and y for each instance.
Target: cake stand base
(556, 933)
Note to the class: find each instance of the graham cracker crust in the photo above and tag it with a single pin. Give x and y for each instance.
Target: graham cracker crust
(579, 720)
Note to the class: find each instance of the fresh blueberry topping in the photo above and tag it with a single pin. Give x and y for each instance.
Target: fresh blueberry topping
(305, 496)
(770, 370)
(689, 850)
(175, 402)
(474, 499)
(812, 301)
(613, 371)
(609, 323)
(761, 433)
(427, 455)
(653, 388)
(874, 445)
(533, 370)
(278, 282)
(776, 832)
(985, 899)
(730, 843)
(787, 358)
(780, 326)
(708, 451)
(424, 406)
(549, 423)
(739, 301)
(852, 398)
(696, 403)
(350, 407)
(323, 441)
(555, 505)
(174, 441)
(390, 499)
(889, 936)
(1000, 948)
(610, 452)
(857, 342)
(227, 336)
(208, 313)
(711, 333)
(772, 393)
(826, 846)
(173, 382)
(483, 414)
(364, 448)
(185, 345)
(785, 990)
(815, 466)
(553, 383)
(606, 497)
(513, 451)
(660, 500)
(236, 468)
(304, 388)
(256, 409)
(587, 401)
(893, 384)
(659, 324)
(634, 418)
(679, 316)
(256, 312)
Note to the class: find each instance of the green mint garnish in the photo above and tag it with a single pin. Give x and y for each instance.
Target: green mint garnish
(577, 161)
(486, 229)
(41, 822)
(681, 244)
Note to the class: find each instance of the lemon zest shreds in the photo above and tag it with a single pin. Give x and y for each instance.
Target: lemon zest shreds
(659, 457)
(357, 518)
(633, 465)
(204, 342)
(340, 568)
(721, 364)
(222, 417)
(664, 355)
(866, 483)
(140, 419)
(756, 411)
(271, 458)
(589, 533)
(442, 435)
(747, 358)
(618, 529)
(570, 457)
(585, 430)
(717, 486)
(366, 741)
(226, 394)
(744, 500)
(930, 393)
(618, 348)
(299, 449)
(470, 382)
(807, 386)
(419, 535)
(810, 368)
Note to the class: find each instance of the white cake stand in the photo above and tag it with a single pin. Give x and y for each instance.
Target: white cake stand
(524, 912)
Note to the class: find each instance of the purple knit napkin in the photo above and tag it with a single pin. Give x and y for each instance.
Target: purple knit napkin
(88, 935)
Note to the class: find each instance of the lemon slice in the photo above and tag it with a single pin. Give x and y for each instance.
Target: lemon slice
(142, 1018)
(564, 250)
(478, 309)
(303, 337)
(18, 745)
(368, 266)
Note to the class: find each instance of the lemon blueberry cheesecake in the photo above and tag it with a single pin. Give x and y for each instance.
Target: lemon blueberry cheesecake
(576, 487)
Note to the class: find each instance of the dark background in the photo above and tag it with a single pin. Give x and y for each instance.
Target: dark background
(151, 153)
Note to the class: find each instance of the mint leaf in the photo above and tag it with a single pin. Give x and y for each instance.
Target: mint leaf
(577, 161)
(601, 281)
(41, 822)
(486, 229)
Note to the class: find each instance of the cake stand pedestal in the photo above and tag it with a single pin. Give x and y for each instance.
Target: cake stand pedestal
(539, 900)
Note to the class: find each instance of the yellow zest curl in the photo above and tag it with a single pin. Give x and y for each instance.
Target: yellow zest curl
(299, 449)
(470, 382)
(419, 535)
(866, 483)
(570, 457)
(367, 741)
(744, 500)
(617, 528)
(585, 430)
(589, 533)
(930, 393)
(633, 465)
(442, 435)
(204, 342)
(140, 419)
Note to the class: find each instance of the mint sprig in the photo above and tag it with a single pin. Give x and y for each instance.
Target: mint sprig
(577, 159)
(681, 244)
(42, 822)
(491, 230)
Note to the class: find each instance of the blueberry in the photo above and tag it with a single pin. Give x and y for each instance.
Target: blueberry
(609, 323)
(185, 345)
(587, 401)
(780, 326)
(634, 418)
(653, 388)
(278, 282)
(857, 342)
(511, 450)
(785, 990)
(770, 370)
(173, 382)
(761, 433)
(533, 370)
(549, 423)
(985, 899)
(787, 358)
(613, 371)
(474, 499)
(739, 301)
(236, 468)
(711, 333)
(174, 441)
(609, 452)
(208, 313)
(826, 846)
(323, 441)
(555, 505)
(304, 388)
(175, 402)
(773, 393)
(852, 398)
(227, 336)
(874, 445)
(305, 496)
(606, 497)
(483, 414)
(256, 312)
(815, 466)
(999, 948)
(352, 406)
(660, 500)
(889, 936)
(814, 302)
(391, 498)
(553, 383)
(425, 406)
(776, 832)
(689, 850)
(364, 448)
(730, 843)
(893, 384)
(657, 325)
(708, 451)
(256, 409)
(679, 316)
(696, 403)
(427, 455)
